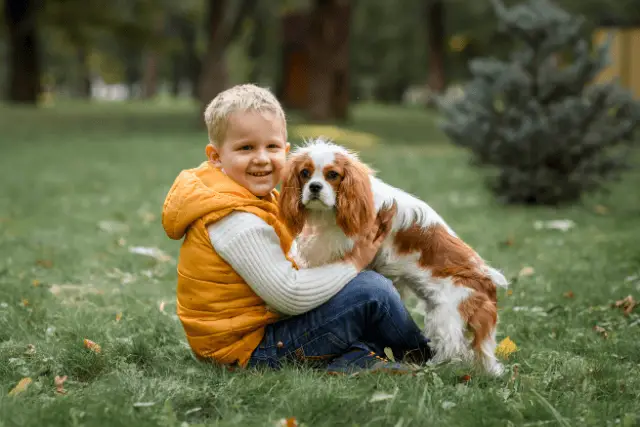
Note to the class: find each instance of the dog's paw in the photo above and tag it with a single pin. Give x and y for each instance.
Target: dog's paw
(496, 369)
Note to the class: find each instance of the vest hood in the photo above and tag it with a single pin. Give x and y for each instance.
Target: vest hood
(198, 192)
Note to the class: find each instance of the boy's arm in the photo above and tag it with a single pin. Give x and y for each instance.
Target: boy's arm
(252, 248)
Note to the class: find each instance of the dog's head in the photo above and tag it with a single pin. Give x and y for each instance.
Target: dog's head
(322, 176)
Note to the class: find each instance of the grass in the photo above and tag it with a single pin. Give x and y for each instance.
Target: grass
(82, 184)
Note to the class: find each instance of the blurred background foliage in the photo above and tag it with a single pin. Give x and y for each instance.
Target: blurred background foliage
(142, 49)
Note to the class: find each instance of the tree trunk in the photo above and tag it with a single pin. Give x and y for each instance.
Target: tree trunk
(132, 72)
(221, 32)
(84, 84)
(24, 51)
(257, 46)
(152, 58)
(186, 65)
(212, 79)
(328, 50)
(436, 42)
(150, 76)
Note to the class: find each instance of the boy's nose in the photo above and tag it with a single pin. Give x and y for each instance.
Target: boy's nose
(261, 157)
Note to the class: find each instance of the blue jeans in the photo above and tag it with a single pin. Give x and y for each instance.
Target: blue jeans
(367, 313)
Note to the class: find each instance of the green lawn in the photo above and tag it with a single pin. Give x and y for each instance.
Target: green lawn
(81, 185)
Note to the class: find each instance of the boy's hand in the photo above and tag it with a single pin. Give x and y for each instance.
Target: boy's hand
(367, 246)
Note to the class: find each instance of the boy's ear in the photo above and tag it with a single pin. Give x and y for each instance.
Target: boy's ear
(212, 153)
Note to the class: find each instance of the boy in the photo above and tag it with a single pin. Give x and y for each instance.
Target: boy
(236, 282)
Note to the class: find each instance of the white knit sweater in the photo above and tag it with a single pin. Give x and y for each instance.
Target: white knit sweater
(252, 248)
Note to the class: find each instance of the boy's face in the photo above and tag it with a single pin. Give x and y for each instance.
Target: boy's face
(254, 151)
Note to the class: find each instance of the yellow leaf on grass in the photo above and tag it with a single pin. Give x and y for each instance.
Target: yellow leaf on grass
(21, 386)
(92, 346)
(506, 347)
(287, 422)
(526, 271)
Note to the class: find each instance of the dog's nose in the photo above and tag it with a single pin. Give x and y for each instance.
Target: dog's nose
(315, 187)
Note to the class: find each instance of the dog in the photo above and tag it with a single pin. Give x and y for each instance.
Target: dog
(329, 197)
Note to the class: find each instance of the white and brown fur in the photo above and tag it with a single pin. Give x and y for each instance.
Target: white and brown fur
(421, 253)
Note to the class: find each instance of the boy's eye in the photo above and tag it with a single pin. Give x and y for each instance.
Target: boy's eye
(245, 147)
(304, 173)
(332, 175)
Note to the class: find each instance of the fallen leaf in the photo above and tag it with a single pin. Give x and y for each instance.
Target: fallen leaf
(80, 289)
(31, 350)
(465, 378)
(448, 405)
(380, 396)
(602, 331)
(25, 302)
(92, 346)
(118, 317)
(505, 348)
(143, 404)
(556, 224)
(287, 422)
(627, 304)
(150, 252)
(568, 294)
(509, 292)
(113, 227)
(21, 386)
(46, 263)
(73, 294)
(161, 307)
(526, 271)
(601, 209)
(508, 242)
(389, 353)
(35, 283)
(147, 217)
(59, 383)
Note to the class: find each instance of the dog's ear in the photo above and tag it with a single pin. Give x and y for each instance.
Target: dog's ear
(355, 204)
(290, 203)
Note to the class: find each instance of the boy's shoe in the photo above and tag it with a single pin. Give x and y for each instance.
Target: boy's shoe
(360, 360)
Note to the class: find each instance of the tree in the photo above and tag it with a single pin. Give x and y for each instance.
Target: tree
(328, 50)
(548, 132)
(436, 43)
(223, 25)
(24, 50)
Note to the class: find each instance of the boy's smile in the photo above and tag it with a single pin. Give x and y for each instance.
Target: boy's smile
(254, 150)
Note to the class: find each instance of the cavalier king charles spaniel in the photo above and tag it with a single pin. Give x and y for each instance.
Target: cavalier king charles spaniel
(329, 197)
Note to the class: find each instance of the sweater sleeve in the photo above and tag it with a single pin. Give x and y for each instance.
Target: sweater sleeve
(252, 248)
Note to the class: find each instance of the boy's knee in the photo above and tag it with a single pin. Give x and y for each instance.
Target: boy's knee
(371, 286)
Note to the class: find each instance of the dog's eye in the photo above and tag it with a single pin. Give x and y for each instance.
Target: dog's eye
(305, 173)
(332, 175)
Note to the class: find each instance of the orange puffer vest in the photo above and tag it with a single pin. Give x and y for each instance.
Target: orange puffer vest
(222, 317)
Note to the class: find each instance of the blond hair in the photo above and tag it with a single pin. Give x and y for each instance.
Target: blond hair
(245, 97)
